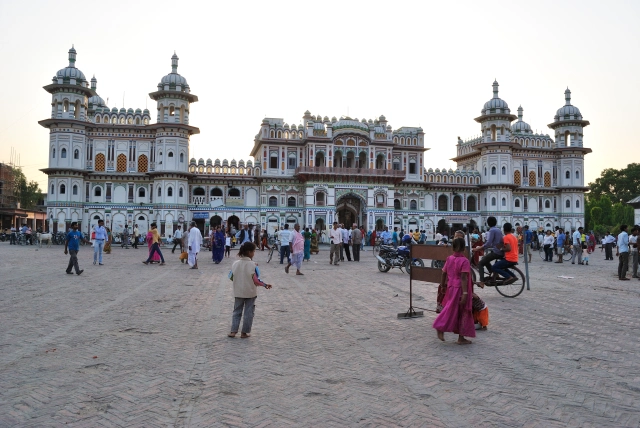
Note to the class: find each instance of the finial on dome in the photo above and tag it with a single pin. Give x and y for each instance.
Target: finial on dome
(94, 82)
(520, 113)
(495, 89)
(567, 97)
(174, 62)
(72, 57)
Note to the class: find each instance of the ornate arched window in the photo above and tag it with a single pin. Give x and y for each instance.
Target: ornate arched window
(567, 203)
(516, 203)
(97, 191)
(532, 179)
(169, 192)
(273, 201)
(141, 192)
(413, 204)
(472, 204)
(234, 193)
(74, 190)
(63, 153)
(443, 203)
(396, 204)
(504, 170)
(493, 202)
(291, 201)
(320, 199)
(493, 170)
(517, 178)
(62, 189)
(457, 203)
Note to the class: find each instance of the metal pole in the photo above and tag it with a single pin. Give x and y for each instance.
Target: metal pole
(526, 262)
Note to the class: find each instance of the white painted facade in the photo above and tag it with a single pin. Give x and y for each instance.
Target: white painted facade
(118, 166)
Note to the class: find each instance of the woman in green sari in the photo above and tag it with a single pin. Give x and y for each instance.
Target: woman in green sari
(314, 242)
(307, 244)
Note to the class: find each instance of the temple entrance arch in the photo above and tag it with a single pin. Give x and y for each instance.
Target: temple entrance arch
(350, 208)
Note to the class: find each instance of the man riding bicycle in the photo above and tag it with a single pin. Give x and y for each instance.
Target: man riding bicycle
(493, 242)
(510, 256)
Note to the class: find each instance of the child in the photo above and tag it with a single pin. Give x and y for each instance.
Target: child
(480, 312)
(245, 279)
(227, 245)
(456, 315)
(585, 254)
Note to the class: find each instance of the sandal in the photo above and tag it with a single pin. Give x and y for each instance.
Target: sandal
(299, 273)
(244, 335)
(232, 334)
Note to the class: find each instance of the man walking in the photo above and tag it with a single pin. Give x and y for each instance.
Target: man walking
(14, 235)
(577, 246)
(177, 239)
(528, 241)
(297, 250)
(98, 244)
(622, 252)
(356, 241)
(155, 245)
(245, 235)
(633, 248)
(136, 234)
(285, 240)
(335, 238)
(195, 242)
(560, 241)
(608, 246)
(72, 246)
(346, 243)
(125, 238)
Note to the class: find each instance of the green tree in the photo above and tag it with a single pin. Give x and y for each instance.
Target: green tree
(596, 216)
(26, 192)
(621, 185)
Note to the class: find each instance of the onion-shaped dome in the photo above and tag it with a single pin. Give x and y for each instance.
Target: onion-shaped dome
(265, 120)
(233, 162)
(241, 163)
(209, 162)
(225, 162)
(249, 163)
(123, 110)
(114, 110)
(520, 127)
(495, 104)
(173, 79)
(286, 126)
(568, 111)
(347, 122)
(325, 119)
(71, 72)
(200, 162)
(145, 111)
(333, 119)
(192, 161)
(382, 118)
(138, 111)
(300, 127)
(307, 113)
(217, 162)
(97, 101)
(130, 111)
(430, 169)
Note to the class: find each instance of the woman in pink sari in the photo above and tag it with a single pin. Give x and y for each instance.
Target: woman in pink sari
(156, 256)
(456, 315)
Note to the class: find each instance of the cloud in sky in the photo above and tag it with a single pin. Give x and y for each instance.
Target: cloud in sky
(428, 64)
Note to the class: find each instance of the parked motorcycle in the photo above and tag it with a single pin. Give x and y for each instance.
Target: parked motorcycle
(391, 258)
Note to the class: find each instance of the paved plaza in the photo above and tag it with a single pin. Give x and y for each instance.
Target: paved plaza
(145, 346)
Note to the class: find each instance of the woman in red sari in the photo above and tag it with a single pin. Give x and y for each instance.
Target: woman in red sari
(457, 315)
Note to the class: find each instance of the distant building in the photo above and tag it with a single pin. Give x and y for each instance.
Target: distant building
(118, 166)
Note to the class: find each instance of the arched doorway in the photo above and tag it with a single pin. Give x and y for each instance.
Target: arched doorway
(215, 221)
(232, 222)
(443, 227)
(349, 209)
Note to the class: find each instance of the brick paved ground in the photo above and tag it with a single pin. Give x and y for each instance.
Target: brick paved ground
(326, 350)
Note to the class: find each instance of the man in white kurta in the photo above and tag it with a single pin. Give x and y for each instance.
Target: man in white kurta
(195, 242)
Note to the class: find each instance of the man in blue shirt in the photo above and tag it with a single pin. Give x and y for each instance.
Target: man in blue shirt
(72, 246)
(622, 252)
(100, 239)
(528, 238)
(394, 237)
(494, 243)
(560, 245)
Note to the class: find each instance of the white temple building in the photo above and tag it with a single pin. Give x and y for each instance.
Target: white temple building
(124, 168)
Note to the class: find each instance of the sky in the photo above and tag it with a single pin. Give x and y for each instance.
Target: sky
(420, 63)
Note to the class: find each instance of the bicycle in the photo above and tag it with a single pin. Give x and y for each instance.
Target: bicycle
(274, 248)
(493, 280)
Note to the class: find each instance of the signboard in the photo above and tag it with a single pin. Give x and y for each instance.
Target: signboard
(235, 202)
(200, 215)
